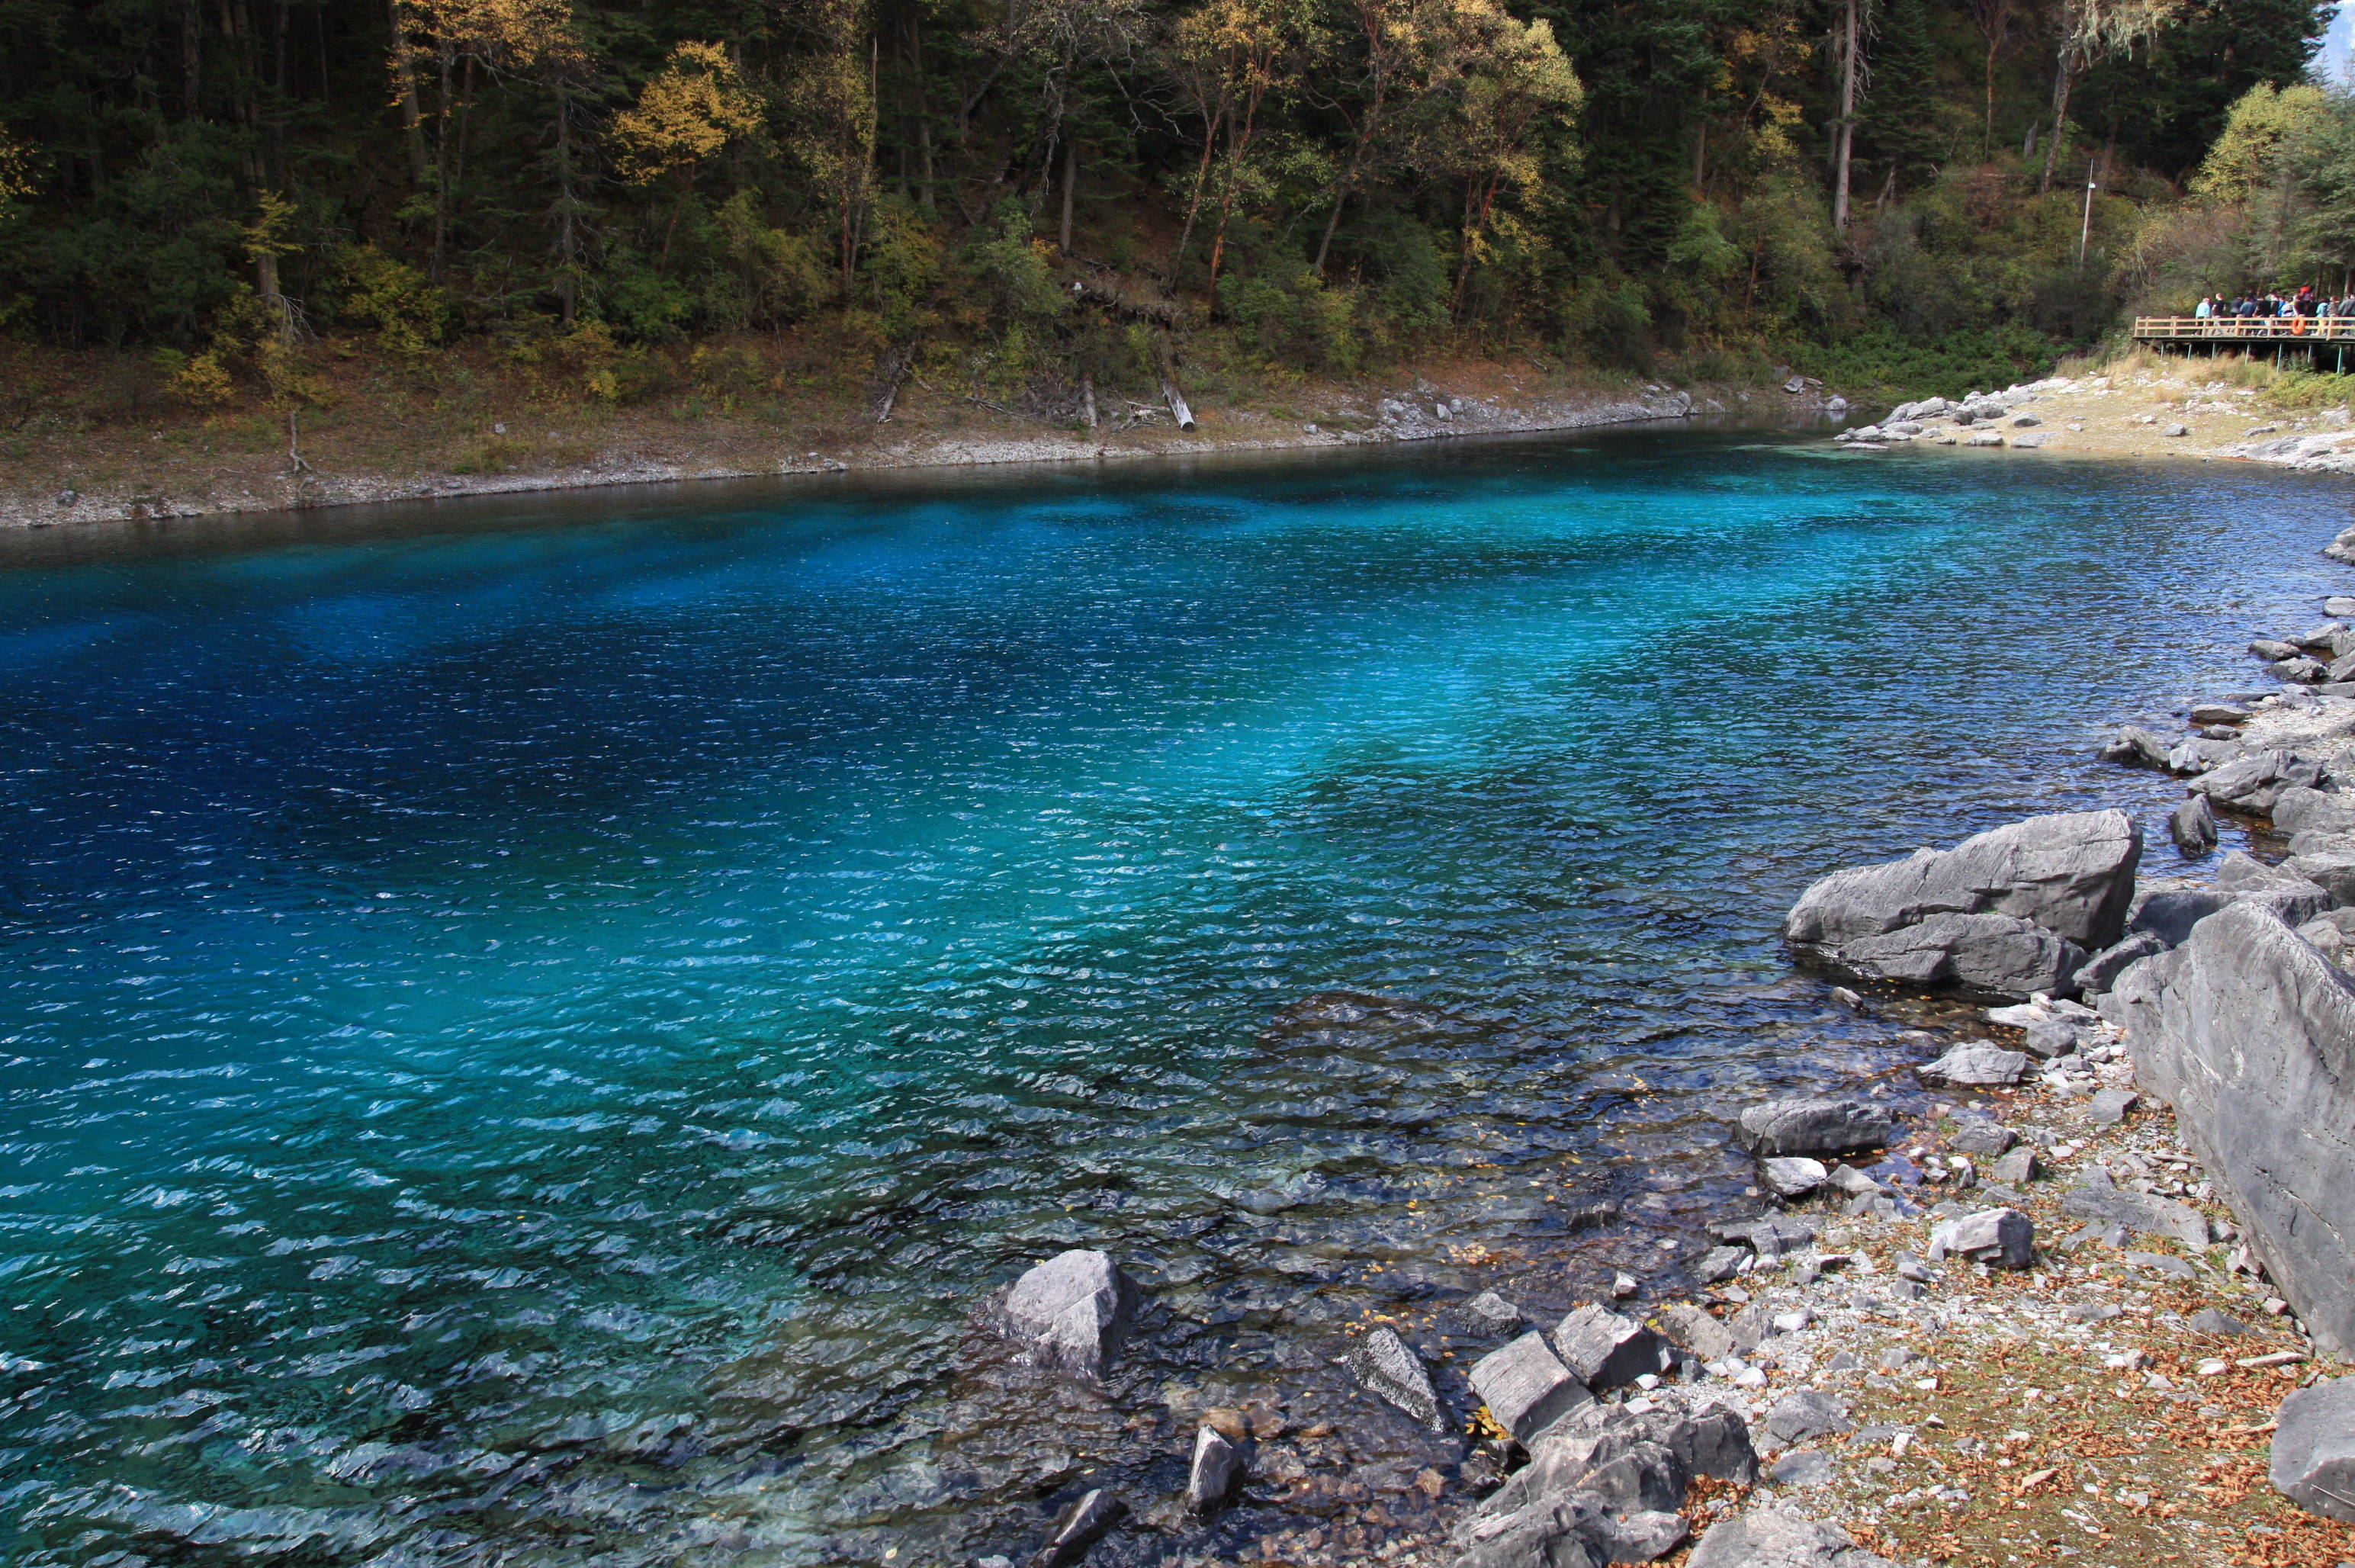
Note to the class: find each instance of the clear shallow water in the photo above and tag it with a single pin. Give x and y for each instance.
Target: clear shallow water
(528, 1028)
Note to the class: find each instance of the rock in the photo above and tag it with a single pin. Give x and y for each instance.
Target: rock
(1984, 438)
(2003, 1238)
(1604, 1349)
(2219, 713)
(2110, 1106)
(1218, 1470)
(1385, 1364)
(2273, 650)
(1986, 955)
(2314, 1449)
(1813, 1127)
(2251, 784)
(2333, 873)
(2249, 1033)
(2192, 826)
(1071, 1311)
(2054, 1038)
(2025, 422)
(1769, 1538)
(2137, 747)
(1696, 1330)
(1975, 1061)
(1803, 1414)
(2030, 442)
(2297, 808)
(2100, 972)
(1527, 1387)
(2072, 875)
(2177, 430)
(2168, 915)
(1646, 1476)
(1770, 1235)
(2140, 1212)
(1719, 1262)
(2207, 1320)
(1492, 1312)
(1803, 1468)
(1079, 1526)
(1979, 1135)
(2241, 872)
(1847, 1179)
(2017, 1169)
(1639, 1537)
(2338, 606)
(1791, 1176)
(2302, 669)
(1546, 1534)
(1795, 385)
(1623, 1288)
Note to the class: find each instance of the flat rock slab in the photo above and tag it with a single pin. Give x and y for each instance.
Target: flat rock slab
(2003, 1238)
(1813, 1127)
(2139, 1212)
(2110, 1106)
(1769, 1538)
(1527, 1387)
(2314, 1449)
(1806, 1414)
(1604, 1348)
(1803, 1468)
(1977, 1063)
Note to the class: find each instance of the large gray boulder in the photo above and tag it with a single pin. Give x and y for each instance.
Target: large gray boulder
(2314, 1449)
(1769, 1538)
(2334, 873)
(2006, 912)
(2298, 809)
(1070, 1311)
(2254, 783)
(1813, 1126)
(2249, 1033)
(2071, 874)
(1989, 955)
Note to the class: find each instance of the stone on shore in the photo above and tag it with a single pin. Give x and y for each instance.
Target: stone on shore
(2001, 1238)
(1696, 1330)
(1771, 1537)
(1527, 1387)
(2192, 826)
(1493, 1313)
(1793, 1175)
(1079, 1526)
(1803, 1414)
(1071, 1311)
(1604, 1349)
(2250, 784)
(2145, 1215)
(2206, 713)
(2016, 1169)
(1218, 1470)
(2314, 1449)
(2273, 650)
(1980, 1135)
(2249, 1032)
(2334, 873)
(1388, 1367)
(2298, 808)
(2109, 1106)
(2066, 879)
(2100, 972)
(1813, 1127)
(1975, 1063)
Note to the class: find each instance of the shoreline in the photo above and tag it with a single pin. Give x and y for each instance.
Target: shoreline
(1421, 411)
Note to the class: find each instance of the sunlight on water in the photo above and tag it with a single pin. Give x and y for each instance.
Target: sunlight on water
(528, 1028)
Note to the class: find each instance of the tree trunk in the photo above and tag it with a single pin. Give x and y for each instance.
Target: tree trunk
(2061, 83)
(441, 166)
(923, 118)
(1843, 140)
(192, 57)
(1350, 178)
(1070, 178)
(404, 83)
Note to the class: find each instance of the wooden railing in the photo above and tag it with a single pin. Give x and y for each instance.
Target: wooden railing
(2242, 329)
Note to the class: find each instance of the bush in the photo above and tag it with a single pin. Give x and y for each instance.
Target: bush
(408, 313)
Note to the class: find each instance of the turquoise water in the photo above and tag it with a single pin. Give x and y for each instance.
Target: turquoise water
(527, 1027)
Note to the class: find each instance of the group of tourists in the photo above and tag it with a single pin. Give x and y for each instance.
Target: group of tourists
(2271, 312)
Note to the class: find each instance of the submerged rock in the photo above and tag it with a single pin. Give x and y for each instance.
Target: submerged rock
(1079, 1526)
(1386, 1365)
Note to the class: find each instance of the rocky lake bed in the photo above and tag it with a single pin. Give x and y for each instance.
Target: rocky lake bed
(1988, 1300)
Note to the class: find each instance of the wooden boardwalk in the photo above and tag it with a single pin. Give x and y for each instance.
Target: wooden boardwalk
(2323, 341)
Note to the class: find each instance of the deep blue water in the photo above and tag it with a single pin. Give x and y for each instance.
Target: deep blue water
(526, 1027)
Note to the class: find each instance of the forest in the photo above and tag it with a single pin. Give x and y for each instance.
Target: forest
(610, 195)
